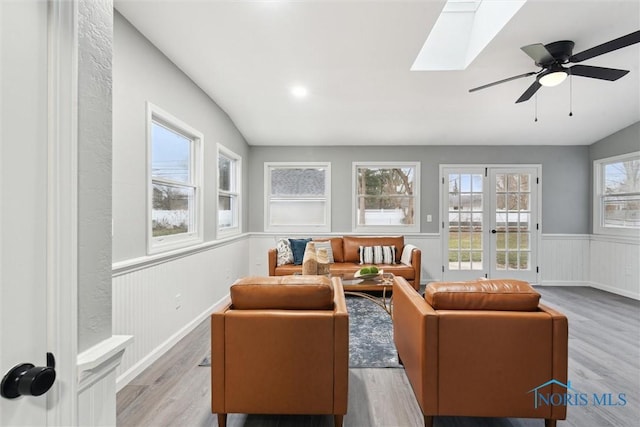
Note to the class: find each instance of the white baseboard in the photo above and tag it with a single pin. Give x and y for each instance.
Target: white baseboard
(614, 290)
(594, 285)
(563, 283)
(154, 355)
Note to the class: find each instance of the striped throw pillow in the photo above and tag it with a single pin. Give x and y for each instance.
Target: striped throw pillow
(366, 255)
(377, 254)
(388, 254)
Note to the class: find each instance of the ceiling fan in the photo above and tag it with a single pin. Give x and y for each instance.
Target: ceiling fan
(553, 58)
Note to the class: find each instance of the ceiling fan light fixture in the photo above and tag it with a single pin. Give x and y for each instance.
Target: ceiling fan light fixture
(552, 77)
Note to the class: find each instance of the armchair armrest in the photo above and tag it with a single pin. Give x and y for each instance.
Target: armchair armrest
(415, 333)
(217, 359)
(560, 344)
(341, 354)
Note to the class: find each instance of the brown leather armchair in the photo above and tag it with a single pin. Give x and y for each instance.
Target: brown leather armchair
(482, 349)
(281, 347)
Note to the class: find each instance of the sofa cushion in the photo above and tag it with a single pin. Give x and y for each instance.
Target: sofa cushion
(351, 245)
(492, 294)
(288, 270)
(285, 293)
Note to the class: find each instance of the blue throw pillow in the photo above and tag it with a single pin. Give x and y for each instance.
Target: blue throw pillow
(297, 247)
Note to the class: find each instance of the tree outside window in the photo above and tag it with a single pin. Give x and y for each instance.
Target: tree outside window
(387, 196)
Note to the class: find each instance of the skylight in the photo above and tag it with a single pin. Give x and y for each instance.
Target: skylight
(463, 29)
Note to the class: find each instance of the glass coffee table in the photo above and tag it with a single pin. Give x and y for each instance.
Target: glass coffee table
(360, 287)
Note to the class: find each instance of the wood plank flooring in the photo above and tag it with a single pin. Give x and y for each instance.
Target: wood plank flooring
(604, 357)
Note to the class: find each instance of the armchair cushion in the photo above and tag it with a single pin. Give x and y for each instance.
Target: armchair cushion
(282, 292)
(492, 294)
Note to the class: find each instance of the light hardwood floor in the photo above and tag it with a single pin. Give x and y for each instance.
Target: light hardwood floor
(604, 357)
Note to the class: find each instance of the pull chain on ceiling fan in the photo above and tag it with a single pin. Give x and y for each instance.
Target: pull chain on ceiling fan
(553, 58)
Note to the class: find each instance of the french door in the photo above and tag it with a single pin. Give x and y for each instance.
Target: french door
(490, 222)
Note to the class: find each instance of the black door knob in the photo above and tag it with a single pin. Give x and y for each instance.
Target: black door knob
(26, 379)
(494, 231)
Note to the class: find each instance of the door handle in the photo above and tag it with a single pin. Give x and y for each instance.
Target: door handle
(26, 379)
(494, 231)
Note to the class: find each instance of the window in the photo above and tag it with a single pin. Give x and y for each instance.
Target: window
(174, 182)
(617, 198)
(229, 173)
(297, 197)
(386, 196)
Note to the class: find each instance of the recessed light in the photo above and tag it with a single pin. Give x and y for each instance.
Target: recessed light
(299, 91)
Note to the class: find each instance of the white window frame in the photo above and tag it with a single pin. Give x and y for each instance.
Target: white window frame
(235, 192)
(411, 228)
(176, 241)
(311, 228)
(598, 196)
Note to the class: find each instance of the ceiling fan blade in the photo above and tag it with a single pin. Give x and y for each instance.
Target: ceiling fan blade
(538, 53)
(601, 73)
(607, 47)
(504, 81)
(529, 92)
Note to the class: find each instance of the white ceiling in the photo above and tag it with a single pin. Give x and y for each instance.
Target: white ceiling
(354, 57)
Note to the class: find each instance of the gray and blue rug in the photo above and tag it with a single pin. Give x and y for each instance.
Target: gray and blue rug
(370, 336)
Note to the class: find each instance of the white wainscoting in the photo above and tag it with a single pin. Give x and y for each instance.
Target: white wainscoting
(431, 262)
(159, 301)
(615, 265)
(260, 244)
(564, 260)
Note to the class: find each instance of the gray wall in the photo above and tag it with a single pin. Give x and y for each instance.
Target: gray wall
(95, 42)
(142, 73)
(624, 141)
(565, 177)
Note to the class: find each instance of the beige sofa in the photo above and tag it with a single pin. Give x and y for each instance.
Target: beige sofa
(347, 258)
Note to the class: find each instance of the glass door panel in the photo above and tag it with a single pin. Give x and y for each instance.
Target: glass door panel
(463, 224)
(514, 219)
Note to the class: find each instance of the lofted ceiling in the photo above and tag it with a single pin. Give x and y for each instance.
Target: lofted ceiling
(354, 58)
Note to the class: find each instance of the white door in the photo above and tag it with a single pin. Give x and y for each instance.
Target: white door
(23, 192)
(490, 222)
(514, 223)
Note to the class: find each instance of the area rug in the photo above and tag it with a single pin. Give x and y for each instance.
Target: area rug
(370, 336)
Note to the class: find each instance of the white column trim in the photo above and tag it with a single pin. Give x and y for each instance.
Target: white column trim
(62, 206)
